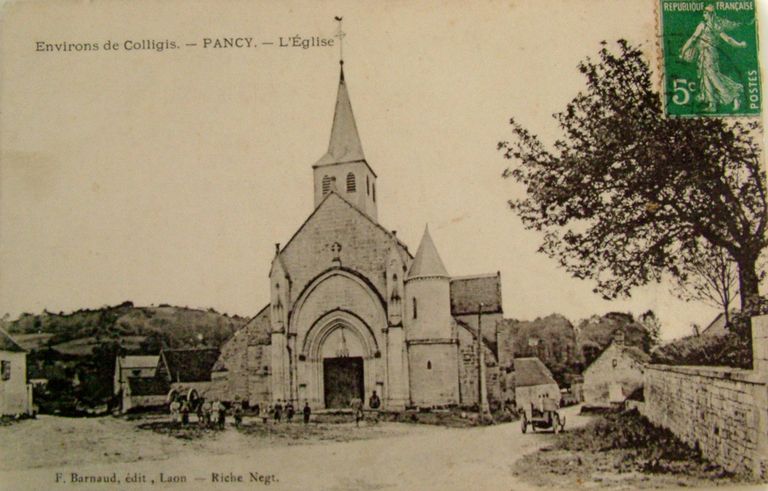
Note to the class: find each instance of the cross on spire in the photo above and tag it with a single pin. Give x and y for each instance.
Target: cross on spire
(340, 34)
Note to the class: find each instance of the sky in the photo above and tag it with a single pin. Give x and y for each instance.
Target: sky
(167, 177)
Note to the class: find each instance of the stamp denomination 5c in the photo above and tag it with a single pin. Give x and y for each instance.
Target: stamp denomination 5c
(710, 58)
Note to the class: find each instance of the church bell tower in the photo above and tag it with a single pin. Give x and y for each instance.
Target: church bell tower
(344, 169)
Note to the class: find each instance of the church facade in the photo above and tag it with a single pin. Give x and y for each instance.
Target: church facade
(352, 311)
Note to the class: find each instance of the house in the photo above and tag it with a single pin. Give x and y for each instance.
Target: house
(718, 326)
(188, 369)
(144, 393)
(15, 392)
(130, 369)
(533, 382)
(615, 374)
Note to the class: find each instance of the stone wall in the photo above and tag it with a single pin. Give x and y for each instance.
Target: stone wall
(722, 411)
(468, 378)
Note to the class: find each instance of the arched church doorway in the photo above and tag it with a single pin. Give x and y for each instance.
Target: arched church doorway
(343, 367)
(343, 381)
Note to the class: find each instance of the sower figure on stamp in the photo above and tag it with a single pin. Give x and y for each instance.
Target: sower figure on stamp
(714, 86)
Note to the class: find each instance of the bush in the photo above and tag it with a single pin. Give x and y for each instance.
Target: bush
(731, 349)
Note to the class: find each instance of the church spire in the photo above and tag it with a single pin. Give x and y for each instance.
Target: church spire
(345, 143)
(427, 261)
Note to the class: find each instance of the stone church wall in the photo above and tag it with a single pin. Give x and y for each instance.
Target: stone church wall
(468, 378)
(433, 374)
(258, 379)
(364, 245)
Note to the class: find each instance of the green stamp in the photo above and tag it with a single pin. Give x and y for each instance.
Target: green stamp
(710, 58)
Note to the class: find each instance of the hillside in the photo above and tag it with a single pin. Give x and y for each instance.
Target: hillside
(76, 352)
(136, 328)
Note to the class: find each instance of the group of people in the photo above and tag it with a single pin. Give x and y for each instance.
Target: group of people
(276, 412)
(210, 414)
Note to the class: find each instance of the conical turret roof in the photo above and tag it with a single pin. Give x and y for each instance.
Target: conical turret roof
(345, 143)
(427, 261)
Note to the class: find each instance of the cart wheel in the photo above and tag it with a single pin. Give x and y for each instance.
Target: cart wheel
(524, 424)
(556, 424)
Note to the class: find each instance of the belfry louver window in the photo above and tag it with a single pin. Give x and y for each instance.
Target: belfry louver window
(351, 185)
(326, 184)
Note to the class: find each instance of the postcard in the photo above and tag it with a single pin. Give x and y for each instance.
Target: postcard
(513, 244)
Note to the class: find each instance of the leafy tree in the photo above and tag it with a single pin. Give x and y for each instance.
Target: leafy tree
(711, 277)
(627, 194)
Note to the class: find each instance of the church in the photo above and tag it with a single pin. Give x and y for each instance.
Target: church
(352, 311)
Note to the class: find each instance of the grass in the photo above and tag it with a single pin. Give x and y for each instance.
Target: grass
(621, 449)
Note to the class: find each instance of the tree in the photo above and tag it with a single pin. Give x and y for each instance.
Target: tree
(626, 194)
(652, 326)
(710, 277)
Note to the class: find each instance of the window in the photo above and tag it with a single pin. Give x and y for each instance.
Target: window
(351, 185)
(415, 309)
(326, 184)
(374, 192)
(615, 363)
(367, 186)
(5, 369)
(429, 365)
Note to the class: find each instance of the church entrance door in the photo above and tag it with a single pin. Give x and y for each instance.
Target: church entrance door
(343, 381)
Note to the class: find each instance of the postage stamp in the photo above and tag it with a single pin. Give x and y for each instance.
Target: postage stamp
(710, 52)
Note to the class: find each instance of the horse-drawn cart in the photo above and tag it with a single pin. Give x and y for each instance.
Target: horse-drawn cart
(545, 417)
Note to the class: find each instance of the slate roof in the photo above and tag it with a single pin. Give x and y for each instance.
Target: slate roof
(345, 143)
(531, 371)
(143, 361)
(8, 344)
(188, 365)
(427, 261)
(716, 327)
(153, 386)
(259, 329)
(468, 292)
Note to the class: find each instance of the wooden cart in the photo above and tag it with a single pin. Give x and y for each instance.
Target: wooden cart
(545, 417)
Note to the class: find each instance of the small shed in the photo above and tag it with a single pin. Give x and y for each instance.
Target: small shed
(533, 382)
(615, 374)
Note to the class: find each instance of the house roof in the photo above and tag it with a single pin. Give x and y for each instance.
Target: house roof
(427, 261)
(344, 145)
(188, 365)
(153, 386)
(7, 343)
(142, 361)
(635, 353)
(259, 328)
(531, 371)
(717, 327)
(468, 292)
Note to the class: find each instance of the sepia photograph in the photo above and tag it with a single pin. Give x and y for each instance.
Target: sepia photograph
(340, 245)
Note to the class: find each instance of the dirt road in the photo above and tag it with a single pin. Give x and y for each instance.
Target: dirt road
(402, 456)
